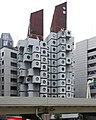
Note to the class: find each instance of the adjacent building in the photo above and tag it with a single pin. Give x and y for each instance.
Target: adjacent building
(85, 66)
(8, 66)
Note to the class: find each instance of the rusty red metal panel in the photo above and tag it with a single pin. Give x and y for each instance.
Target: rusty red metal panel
(36, 25)
(59, 20)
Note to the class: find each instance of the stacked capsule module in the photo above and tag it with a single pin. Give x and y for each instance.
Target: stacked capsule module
(60, 67)
(32, 71)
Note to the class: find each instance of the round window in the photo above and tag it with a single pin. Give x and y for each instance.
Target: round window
(37, 78)
(63, 76)
(53, 42)
(54, 49)
(62, 54)
(53, 56)
(44, 44)
(28, 57)
(44, 52)
(62, 90)
(62, 68)
(54, 83)
(44, 74)
(44, 81)
(54, 76)
(37, 48)
(37, 56)
(44, 59)
(44, 66)
(37, 63)
(62, 61)
(44, 89)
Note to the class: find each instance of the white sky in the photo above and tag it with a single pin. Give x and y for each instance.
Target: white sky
(15, 14)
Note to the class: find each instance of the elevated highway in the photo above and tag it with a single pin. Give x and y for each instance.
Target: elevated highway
(29, 105)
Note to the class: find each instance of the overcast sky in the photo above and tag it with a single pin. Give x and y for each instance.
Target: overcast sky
(15, 14)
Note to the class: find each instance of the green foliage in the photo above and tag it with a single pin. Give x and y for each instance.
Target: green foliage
(57, 116)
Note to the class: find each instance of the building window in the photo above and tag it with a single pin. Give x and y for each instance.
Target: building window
(13, 80)
(13, 64)
(14, 72)
(13, 88)
(13, 55)
(2, 87)
(2, 70)
(3, 62)
(2, 94)
(2, 53)
(2, 79)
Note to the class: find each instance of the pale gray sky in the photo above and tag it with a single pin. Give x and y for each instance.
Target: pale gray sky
(15, 14)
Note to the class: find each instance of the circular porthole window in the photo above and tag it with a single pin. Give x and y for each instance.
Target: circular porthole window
(54, 42)
(63, 76)
(44, 59)
(44, 81)
(44, 66)
(44, 74)
(28, 57)
(44, 89)
(37, 56)
(62, 68)
(37, 78)
(44, 52)
(37, 48)
(44, 44)
(37, 63)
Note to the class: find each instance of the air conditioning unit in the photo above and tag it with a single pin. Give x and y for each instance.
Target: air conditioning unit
(68, 61)
(44, 60)
(68, 47)
(43, 52)
(27, 58)
(36, 64)
(43, 82)
(36, 48)
(36, 56)
(68, 94)
(61, 48)
(44, 67)
(61, 83)
(61, 69)
(36, 79)
(30, 72)
(67, 33)
(21, 65)
(61, 55)
(61, 62)
(61, 90)
(43, 44)
(61, 76)
(68, 88)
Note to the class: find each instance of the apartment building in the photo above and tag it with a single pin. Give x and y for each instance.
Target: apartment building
(45, 68)
(8, 66)
(85, 66)
(8, 72)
